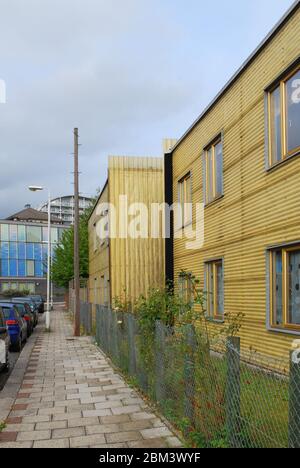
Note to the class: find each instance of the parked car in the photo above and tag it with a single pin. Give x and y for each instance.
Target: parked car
(33, 306)
(16, 325)
(4, 337)
(26, 313)
(39, 300)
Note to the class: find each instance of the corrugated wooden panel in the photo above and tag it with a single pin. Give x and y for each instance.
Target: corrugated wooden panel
(99, 275)
(135, 264)
(259, 209)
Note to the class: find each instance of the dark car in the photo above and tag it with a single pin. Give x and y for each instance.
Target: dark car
(16, 325)
(39, 300)
(4, 344)
(33, 306)
(26, 313)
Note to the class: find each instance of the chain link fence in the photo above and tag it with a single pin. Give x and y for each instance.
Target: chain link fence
(217, 395)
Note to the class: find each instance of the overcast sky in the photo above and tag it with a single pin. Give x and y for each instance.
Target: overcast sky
(128, 73)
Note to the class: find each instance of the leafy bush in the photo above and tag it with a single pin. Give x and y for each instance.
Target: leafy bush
(179, 315)
(9, 293)
(2, 425)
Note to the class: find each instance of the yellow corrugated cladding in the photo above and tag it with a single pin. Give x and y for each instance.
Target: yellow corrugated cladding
(128, 267)
(98, 257)
(259, 208)
(135, 264)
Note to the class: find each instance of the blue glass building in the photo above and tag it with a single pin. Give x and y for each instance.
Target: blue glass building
(24, 248)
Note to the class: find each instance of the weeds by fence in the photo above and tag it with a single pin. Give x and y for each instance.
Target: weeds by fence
(218, 396)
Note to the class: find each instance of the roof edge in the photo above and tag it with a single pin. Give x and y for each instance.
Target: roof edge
(97, 201)
(289, 13)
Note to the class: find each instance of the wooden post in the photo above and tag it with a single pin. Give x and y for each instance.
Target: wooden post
(76, 237)
(189, 374)
(131, 344)
(233, 392)
(294, 400)
(159, 361)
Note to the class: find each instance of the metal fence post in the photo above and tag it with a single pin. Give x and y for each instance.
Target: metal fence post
(131, 345)
(189, 374)
(294, 400)
(159, 361)
(97, 325)
(81, 312)
(90, 317)
(115, 343)
(233, 392)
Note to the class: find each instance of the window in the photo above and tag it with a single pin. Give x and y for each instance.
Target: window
(4, 268)
(44, 252)
(39, 270)
(13, 268)
(13, 232)
(54, 236)
(185, 288)
(21, 268)
(285, 288)
(284, 118)
(21, 251)
(21, 233)
(213, 171)
(214, 288)
(185, 200)
(38, 252)
(4, 250)
(30, 267)
(34, 234)
(4, 232)
(13, 250)
(45, 234)
(30, 251)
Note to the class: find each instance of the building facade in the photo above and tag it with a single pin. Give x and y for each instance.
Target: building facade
(241, 160)
(23, 251)
(63, 208)
(122, 266)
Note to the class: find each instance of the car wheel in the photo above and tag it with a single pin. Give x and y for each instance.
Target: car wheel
(18, 346)
(7, 365)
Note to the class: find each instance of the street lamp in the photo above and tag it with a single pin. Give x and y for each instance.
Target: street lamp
(36, 188)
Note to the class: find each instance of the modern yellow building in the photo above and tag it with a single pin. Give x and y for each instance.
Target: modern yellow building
(125, 259)
(241, 159)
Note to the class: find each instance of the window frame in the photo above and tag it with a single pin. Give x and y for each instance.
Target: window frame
(182, 183)
(216, 316)
(212, 146)
(281, 84)
(185, 287)
(285, 251)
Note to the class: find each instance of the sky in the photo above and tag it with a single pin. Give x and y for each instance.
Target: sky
(127, 73)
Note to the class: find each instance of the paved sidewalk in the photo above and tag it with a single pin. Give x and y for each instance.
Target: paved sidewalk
(72, 397)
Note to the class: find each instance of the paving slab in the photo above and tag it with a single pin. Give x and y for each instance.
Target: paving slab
(64, 393)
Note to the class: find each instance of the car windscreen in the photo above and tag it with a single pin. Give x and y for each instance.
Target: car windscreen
(37, 298)
(21, 309)
(8, 312)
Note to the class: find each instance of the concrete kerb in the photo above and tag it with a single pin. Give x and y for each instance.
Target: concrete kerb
(11, 389)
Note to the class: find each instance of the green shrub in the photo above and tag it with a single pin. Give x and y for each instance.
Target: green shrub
(9, 293)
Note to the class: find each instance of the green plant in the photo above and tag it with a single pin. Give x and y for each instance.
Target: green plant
(62, 271)
(178, 317)
(9, 293)
(2, 425)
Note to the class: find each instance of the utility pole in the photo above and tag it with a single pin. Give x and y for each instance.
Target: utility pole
(76, 237)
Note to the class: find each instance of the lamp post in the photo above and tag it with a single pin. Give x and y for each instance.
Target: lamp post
(34, 188)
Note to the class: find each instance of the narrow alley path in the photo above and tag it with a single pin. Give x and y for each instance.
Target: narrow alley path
(72, 397)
